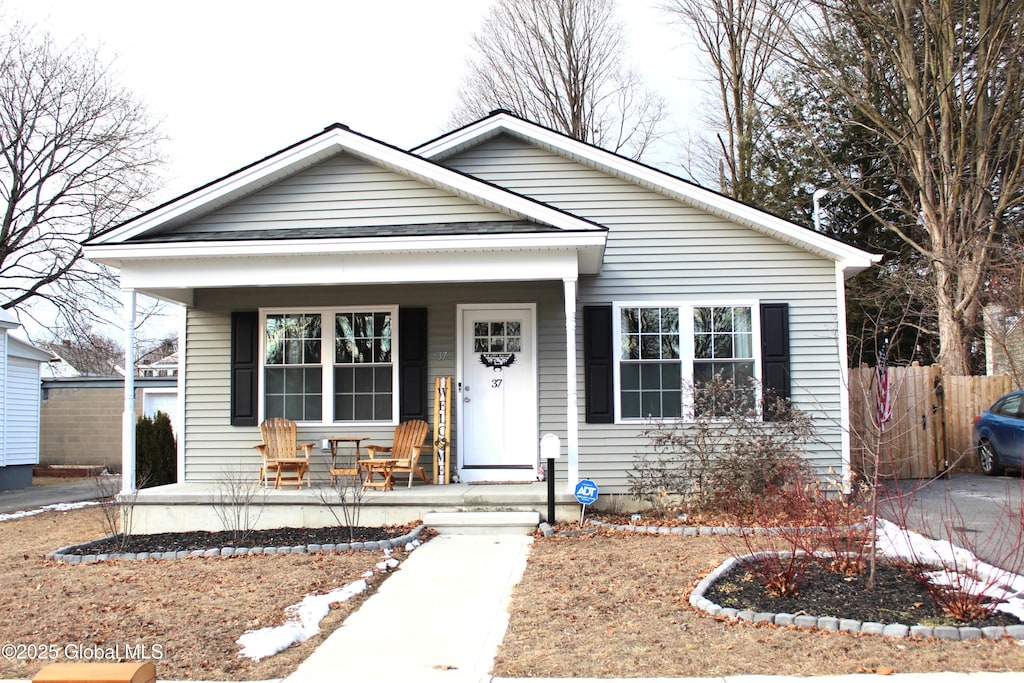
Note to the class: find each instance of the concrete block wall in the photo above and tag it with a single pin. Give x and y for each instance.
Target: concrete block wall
(80, 422)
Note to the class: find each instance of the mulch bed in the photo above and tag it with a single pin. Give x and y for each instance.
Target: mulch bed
(898, 597)
(268, 538)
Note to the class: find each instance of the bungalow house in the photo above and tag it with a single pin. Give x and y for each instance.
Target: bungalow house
(563, 288)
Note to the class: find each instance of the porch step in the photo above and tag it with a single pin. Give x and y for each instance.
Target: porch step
(504, 522)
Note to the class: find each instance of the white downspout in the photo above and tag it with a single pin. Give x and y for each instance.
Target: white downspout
(128, 417)
(572, 429)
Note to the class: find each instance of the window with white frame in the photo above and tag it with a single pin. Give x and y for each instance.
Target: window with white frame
(665, 353)
(330, 365)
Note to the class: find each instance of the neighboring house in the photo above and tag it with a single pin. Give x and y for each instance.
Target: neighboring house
(1004, 344)
(161, 361)
(19, 405)
(564, 288)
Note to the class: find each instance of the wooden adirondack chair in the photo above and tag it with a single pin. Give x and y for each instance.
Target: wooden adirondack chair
(280, 451)
(408, 444)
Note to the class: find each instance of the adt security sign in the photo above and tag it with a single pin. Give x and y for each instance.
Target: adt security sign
(586, 492)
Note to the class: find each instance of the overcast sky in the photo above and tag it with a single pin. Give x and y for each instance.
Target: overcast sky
(233, 81)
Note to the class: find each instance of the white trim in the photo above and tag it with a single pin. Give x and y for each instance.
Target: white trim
(686, 347)
(844, 383)
(572, 419)
(460, 322)
(327, 338)
(170, 276)
(329, 143)
(853, 260)
(128, 415)
(182, 365)
(112, 254)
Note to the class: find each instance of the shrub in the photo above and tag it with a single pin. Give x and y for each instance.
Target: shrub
(725, 458)
(156, 451)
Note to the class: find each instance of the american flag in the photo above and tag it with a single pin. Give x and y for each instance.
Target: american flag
(883, 399)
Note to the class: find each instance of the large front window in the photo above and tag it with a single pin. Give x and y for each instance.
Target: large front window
(667, 353)
(329, 365)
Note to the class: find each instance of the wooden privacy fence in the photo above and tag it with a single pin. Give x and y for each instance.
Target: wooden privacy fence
(931, 427)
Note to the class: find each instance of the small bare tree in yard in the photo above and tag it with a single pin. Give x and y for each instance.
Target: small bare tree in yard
(238, 500)
(78, 154)
(559, 63)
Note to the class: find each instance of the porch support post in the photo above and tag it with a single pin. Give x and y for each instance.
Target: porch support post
(128, 417)
(572, 430)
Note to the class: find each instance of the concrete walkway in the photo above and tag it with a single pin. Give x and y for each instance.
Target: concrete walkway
(441, 617)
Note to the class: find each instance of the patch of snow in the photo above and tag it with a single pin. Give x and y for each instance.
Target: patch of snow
(303, 623)
(305, 617)
(58, 507)
(960, 567)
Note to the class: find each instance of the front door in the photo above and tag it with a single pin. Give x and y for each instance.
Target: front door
(497, 394)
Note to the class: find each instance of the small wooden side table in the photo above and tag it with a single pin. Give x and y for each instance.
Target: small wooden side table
(352, 471)
(381, 466)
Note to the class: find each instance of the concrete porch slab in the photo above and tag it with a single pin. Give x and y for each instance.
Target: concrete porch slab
(202, 506)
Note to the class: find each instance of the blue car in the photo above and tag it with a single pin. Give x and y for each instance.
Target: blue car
(999, 435)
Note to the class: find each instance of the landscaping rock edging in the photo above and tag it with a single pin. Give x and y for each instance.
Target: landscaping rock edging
(698, 600)
(64, 554)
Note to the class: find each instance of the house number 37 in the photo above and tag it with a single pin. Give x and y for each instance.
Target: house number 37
(495, 383)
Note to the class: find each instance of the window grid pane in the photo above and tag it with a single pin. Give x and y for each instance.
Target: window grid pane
(292, 374)
(723, 343)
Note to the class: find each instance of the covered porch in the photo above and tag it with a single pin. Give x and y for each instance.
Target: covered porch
(203, 506)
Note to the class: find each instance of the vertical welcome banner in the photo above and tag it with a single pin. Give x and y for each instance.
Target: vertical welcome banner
(442, 420)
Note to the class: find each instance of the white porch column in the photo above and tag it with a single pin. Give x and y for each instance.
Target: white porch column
(128, 417)
(572, 430)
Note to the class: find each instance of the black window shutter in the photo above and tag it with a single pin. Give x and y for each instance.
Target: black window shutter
(412, 364)
(597, 364)
(775, 375)
(244, 367)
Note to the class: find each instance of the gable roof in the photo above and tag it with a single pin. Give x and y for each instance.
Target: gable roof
(335, 139)
(500, 122)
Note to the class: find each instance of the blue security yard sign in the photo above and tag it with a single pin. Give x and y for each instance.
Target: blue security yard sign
(586, 492)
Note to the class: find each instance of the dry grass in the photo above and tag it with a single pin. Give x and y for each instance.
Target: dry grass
(191, 610)
(615, 605)
(608, 605)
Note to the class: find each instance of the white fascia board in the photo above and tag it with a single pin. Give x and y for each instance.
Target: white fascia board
(119, 255)
(853, 260)
(337, 141)
(293, 270)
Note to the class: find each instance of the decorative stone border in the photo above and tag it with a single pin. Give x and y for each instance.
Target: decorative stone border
(63, 554)
(698, 600)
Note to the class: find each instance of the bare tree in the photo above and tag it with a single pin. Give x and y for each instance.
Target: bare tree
(559, 63)
(78, 154)
(739, 40)
(941, 86)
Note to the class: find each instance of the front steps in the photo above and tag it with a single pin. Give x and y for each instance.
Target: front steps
(468, 523)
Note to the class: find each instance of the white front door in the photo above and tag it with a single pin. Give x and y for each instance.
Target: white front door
(497, 393)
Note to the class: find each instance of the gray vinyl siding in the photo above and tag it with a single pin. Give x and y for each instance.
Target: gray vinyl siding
(215, 450)
(339, 192)
(662, 250)
(21, 422)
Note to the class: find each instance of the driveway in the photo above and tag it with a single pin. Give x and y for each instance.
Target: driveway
(979, 513)
(75, 490)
